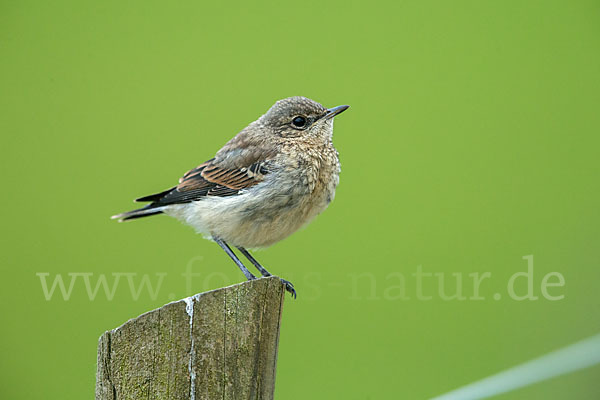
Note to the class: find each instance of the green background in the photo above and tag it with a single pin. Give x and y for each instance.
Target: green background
(472, 141)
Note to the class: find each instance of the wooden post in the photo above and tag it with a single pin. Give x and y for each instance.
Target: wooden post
(220, 344)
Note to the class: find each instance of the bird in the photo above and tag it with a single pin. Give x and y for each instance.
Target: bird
(268, 181)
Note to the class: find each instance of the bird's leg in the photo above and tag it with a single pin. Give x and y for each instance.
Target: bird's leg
(288, 285)
(236, 260)
(253, 260)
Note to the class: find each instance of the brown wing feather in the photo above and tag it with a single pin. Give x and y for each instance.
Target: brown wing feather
(209, 179)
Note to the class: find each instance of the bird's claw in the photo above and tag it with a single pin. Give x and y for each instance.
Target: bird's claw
(289, 287)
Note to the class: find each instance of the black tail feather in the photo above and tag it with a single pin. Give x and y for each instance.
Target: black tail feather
(147, 211)
(136, 216)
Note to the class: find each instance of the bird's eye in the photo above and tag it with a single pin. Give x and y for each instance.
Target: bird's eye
(299, 122)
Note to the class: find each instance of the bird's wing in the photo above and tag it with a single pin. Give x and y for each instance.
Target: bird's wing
(211, 179)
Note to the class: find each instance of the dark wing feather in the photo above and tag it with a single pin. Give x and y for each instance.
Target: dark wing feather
(154, 197)
(240, 164)
(209, 179)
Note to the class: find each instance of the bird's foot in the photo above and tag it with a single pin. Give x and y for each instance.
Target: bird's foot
(289, 287)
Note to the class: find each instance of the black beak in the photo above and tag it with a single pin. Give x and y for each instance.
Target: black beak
(332, 112)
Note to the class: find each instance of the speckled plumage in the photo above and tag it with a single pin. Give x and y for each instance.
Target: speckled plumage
(268, 181)
(303, 172)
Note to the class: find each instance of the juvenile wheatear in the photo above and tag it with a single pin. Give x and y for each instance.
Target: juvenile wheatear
(272, 178)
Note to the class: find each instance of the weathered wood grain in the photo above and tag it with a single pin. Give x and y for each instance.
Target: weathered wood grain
(215, 345)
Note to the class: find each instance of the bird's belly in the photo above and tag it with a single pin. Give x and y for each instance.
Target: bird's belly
(267, 230)
(249, 220)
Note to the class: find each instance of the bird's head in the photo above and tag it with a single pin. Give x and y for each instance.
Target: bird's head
(300, 117)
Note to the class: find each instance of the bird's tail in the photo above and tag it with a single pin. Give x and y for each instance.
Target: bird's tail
(147, 211)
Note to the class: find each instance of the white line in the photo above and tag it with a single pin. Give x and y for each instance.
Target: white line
(574, 357)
